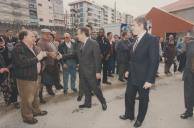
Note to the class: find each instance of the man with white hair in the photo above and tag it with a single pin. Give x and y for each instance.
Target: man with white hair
(68, 49)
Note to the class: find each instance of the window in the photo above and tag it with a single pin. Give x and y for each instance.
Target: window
(41, 19)
(39, 4)
(50, 21)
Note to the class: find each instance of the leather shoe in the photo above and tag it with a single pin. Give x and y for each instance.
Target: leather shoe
(109, 83)
(104, 107)
(186, 115)
(79, 98)
(85, 106)
(124, 117)
(137, 124)
(31, 122)
(42, 113)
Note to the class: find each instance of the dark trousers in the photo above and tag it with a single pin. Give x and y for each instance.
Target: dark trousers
(122, 70)
(111, 65)
(130, 96)
(182, 61)
(105, 71)
(89, 85)
(167, 66)
(189, 92)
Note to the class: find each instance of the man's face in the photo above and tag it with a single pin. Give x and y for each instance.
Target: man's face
(136, 28)
(30, 38)
(46, 36)
(110, 36)
(67, 37)
(80, 36)
(101, 32)
(90, 30)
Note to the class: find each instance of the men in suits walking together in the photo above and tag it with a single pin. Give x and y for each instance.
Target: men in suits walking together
(143, 66)
(89, 68)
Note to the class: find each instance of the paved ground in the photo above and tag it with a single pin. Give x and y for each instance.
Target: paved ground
(166, 104)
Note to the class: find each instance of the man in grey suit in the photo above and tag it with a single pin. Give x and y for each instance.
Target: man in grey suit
(188, 78)
(89, 68)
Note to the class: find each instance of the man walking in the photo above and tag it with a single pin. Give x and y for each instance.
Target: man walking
(144, 62)
(188, 78)
(26, 64)
(89, 68)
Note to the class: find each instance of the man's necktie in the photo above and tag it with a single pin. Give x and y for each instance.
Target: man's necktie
(135, 45)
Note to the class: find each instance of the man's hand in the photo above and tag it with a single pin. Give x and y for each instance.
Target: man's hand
(126, 74)
(59, 56)
(98, 76)
(147, 85)
(41, 55)
(2, 70)
(52, 54)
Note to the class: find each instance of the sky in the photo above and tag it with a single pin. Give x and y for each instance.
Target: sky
(133, 7)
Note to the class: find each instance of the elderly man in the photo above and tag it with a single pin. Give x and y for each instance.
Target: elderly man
(50, 63)
(26, 64)
(188, 78)
(68, 49)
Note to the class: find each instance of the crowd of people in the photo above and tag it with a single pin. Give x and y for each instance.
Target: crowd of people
(30, 62)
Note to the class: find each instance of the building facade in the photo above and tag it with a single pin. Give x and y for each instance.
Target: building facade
(33, 12)
(14, 11)
(45, 12)
(58, 12)
(85, 12)
(182, 8)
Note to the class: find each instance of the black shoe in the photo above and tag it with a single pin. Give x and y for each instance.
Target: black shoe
(121, 80)
(107, 83)
(31, 122)
(59, 87)
(50, 91)
(137, 124)
(85, 106)
(74, 90)
(17, 105)
(42, 101)
(104, 107)
(42, 113)
(79, 98)
(186, 115)
(65, 92)
(124, 117)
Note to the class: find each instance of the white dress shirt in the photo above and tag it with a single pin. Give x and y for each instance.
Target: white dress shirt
(139, 37)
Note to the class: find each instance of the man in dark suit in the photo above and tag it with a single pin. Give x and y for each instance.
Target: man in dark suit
(143, 66)
(188, 78)
(123, 50)
(89, 68)
(105, 49)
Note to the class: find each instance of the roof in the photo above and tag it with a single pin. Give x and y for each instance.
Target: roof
(179, 5)
(164, 22)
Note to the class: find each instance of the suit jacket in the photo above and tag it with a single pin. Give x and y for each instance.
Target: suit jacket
(144, 61)
(24, 63)
(89, 59)
(105, 47)
(123, 52)
(189, 62)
